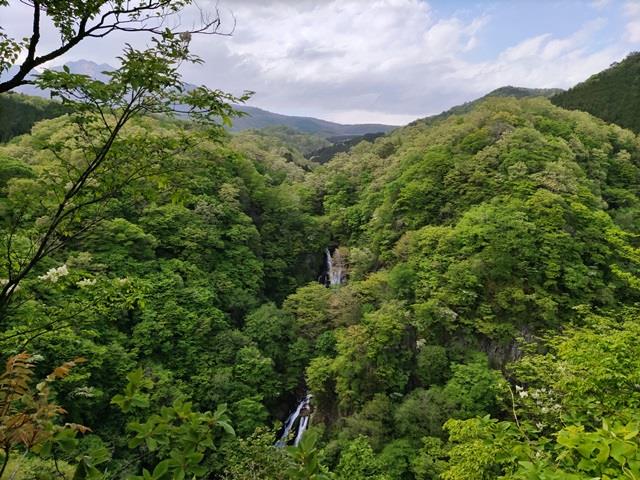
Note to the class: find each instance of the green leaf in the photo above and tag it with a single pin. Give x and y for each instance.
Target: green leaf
(586, 449)
(603, 453)
(226, 426)
(179, 474)
(161, 469)
(621, 450)
(152, 444)
(633, 433)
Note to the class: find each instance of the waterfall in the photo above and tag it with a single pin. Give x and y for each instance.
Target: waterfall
(335, 267)
(302, 412)
(335, 276)
(304, 423)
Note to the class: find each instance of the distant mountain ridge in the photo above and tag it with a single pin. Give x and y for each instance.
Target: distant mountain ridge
(87, 67)
(256, 118)
(612, 95)
(83, 67)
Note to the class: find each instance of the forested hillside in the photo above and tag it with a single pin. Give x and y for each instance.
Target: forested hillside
(166, 279)
(613, 94)
(257, 118)
(464, 246)
(18, 113)
(508, 91)
(470, 242)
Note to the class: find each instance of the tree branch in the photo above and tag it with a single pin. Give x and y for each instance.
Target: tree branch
(134, 19)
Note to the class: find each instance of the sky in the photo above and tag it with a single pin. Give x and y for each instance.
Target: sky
(386, 61)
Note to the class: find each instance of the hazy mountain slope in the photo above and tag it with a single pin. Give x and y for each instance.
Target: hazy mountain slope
(259, 118)
(87, 67)
(256, 118)
(84, 67)
(613, 94)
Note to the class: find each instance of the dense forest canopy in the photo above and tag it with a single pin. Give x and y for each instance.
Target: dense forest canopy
(613, 94)
(457, 299)
(207, 278)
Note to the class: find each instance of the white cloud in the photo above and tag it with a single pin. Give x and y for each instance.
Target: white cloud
(557, 47)
(633, 31)
(392, 59)
(600, 4)
(546, 61)
(632, 28)
(530, 47)
(535, 70)
(375, 60)
(632, 9)
(337, 40)
(364, 116)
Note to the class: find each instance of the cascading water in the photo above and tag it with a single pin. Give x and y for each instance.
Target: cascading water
(335, 276)
(302, 412)
(304, 423)
(335, 267)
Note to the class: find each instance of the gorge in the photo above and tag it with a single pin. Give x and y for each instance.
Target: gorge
(476, 315)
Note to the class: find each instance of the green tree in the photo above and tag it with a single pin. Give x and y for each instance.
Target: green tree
(75, 188)
(255, 458)
(373, 356)
(357, 461)
(177, 437)
(309, 305)
(305, 461)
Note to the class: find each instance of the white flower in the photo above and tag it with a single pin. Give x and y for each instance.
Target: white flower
(54, 274)
(523, 394)
(518, 388)
(86, 282)
(86, 392)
